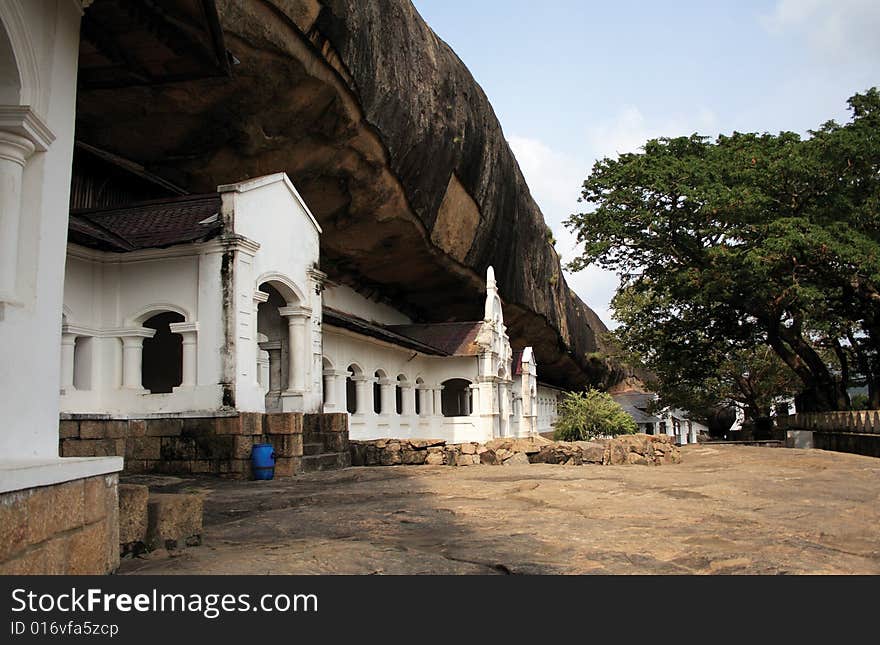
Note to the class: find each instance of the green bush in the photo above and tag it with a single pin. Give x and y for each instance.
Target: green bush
(587, 415)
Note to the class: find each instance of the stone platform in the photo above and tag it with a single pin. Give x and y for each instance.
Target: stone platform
(724, 509)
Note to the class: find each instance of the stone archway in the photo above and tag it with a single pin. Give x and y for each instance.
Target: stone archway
(282, 317)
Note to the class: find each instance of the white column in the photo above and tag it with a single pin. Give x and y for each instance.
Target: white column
(475, 399)
(363, 385)
(14, 153)
(341, 390)
(426, 407)
(329, 385)
(262, 369)
(334, 390)
(259, 298)
(68, 348)
(386, 393)
(408, 396)
(297, 318)
(132, 357)
(438, 401)
(188, 330)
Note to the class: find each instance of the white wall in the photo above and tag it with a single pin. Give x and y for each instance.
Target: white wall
(347, 300)
(548, 401)
(48, 35)
(343, 348)
(106, 294)
(269, 211)
(37, 103)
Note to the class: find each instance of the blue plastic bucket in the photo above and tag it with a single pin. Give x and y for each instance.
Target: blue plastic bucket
(263, 461)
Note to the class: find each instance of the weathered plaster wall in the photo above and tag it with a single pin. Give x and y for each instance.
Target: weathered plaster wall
(106, 294)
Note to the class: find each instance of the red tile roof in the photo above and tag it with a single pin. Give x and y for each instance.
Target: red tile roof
(152, 224)
(453, 339)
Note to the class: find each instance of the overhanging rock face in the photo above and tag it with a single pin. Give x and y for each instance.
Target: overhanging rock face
(393, 145)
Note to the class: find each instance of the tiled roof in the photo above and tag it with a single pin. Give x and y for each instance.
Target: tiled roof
(453, 339)
(152, 224)
(336, 318)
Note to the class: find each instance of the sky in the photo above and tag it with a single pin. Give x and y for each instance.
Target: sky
(575, 81)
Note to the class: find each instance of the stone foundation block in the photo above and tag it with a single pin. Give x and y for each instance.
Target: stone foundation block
(143, 448)
(283, 423)
(133, 515)
(103, 429)
(163, 427)
(68, 429)
(87, 553)
(54, 509)
(287, 466)
(93, 447)
(174, 520)
(286, 445)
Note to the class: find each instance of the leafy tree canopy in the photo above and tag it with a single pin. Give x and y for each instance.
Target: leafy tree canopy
(746, 241)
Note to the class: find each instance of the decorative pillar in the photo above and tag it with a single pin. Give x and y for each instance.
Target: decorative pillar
(273, 368)
(363, 385)
(334, 395)
(262, 369)
(188, 331)
(68, 348)
(426, 407)
(386, 393)
(438, 400)
(132, 357)
(408, 399)
(504, 407)
(297, 350)
(329, 385)
(475, 399)
(14, 153)
(262, 361)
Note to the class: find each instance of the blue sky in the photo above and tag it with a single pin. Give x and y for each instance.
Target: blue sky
(572, 81)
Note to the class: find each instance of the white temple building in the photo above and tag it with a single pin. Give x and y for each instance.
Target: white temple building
(195, 304)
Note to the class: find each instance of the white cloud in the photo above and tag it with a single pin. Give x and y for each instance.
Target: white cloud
(835, 29)
(555, 179)
(629, 129)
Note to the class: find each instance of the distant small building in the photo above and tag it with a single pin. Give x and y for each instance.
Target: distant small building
(669, 421)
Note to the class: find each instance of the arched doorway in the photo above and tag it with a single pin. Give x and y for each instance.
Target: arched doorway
(351, 402)
(455, 399)
(377, 391)
(420, 392)
(275, 331)
(162, 362)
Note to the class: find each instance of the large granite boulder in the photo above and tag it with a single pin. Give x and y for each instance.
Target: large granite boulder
(393, 145)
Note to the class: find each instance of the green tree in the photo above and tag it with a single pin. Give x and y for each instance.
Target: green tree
(693, 369)
(752, 240)
(591, 414)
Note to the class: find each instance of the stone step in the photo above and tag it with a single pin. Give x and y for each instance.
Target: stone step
(325, 461)
(313, 449)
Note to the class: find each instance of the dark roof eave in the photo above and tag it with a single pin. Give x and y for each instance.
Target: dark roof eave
(339, 319)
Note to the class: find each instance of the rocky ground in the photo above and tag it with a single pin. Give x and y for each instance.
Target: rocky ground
(724, 509)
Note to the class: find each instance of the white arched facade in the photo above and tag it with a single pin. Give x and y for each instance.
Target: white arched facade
(394, 391)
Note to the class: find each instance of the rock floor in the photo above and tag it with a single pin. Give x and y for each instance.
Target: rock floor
(725, 509)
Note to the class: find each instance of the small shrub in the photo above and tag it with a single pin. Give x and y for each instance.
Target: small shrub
(591, 414)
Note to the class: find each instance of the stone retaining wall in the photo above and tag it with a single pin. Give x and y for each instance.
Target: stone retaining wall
(630, 449)
(219, 445)
(69, 528)
(856, 431)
